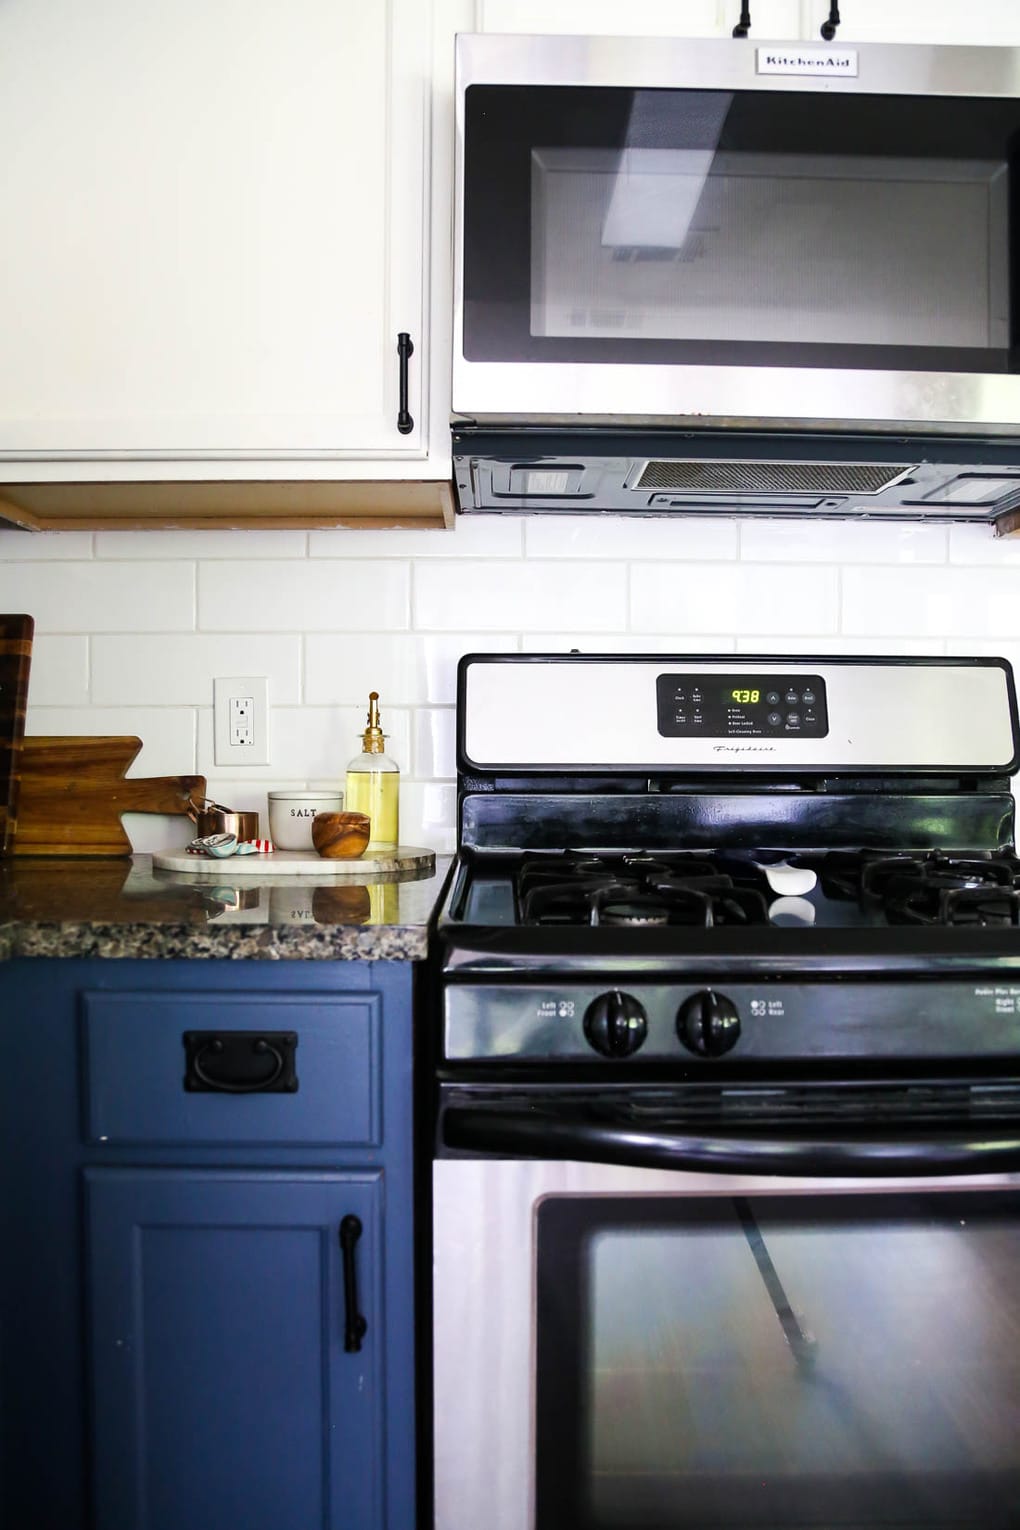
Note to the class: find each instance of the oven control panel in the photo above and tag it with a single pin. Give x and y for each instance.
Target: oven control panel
(768, 1019)
(742, 704)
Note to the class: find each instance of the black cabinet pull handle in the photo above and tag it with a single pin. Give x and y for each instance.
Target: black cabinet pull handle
(355, 1326)
(235, 1062)
(405, 350)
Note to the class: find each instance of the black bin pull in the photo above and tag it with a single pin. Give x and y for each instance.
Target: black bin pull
(240, 1062)
(405, 350)
(355, 1326)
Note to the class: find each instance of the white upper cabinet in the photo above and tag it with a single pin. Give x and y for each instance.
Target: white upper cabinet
(215, 228)
(977, 22)
(648, 18)
(918, 21)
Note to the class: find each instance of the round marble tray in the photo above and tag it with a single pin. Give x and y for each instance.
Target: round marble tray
(294, 863)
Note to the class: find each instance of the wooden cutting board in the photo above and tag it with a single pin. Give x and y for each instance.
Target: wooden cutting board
(73, 792)
(15, 659)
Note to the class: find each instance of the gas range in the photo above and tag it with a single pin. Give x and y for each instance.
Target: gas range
(724, 908)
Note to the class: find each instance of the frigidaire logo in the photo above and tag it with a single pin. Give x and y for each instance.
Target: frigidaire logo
(743, 749)
(825, 61)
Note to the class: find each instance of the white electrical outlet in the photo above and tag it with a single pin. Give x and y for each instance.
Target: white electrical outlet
(241, 721)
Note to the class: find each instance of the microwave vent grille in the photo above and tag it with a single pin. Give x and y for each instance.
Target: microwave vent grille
(739, 477)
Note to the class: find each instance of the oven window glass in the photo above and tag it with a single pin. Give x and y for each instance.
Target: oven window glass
(757, 228)
(759, 1362)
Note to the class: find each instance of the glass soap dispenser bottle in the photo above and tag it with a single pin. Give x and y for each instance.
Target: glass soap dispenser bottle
(373, 784)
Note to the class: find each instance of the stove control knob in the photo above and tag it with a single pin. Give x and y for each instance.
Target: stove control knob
(615, 1024)
(708, 1023)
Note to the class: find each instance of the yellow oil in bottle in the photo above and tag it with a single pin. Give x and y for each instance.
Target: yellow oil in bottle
(373, 785)
(377, 793)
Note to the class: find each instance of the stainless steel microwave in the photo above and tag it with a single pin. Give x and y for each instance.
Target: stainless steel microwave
(776, 276)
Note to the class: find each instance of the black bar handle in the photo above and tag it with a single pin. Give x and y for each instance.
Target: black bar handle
(355, 1326)
(828, 28)
(743, 26)
(405, 350)
(524, 1134)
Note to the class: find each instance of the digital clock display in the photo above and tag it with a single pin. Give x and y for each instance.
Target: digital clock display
(741, 706)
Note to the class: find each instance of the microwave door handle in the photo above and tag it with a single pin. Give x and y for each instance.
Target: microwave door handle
(526, 1133)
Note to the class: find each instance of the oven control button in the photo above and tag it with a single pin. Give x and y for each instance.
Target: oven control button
(615, 1024)
(708, 1023)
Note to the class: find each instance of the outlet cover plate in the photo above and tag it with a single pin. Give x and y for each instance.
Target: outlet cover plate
(256, 691)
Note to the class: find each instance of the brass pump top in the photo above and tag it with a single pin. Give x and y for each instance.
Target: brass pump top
(373, 738)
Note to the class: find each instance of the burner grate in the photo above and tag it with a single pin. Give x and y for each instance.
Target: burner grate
(634, 891)
(936, 888)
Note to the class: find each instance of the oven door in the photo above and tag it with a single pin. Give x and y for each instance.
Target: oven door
(665, 231)
(622, 1348)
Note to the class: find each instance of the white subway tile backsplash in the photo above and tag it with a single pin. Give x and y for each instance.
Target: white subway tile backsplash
(59, 673)
(725, 598)
(428, 815)
(405, 668)
(979, 544)
(628, 537)
(42, 546)
(625, 642)
(312, 743)
(932, 602)
(839, 645)
(149, 832)
(504, 596)
(238, 545)
(435, 742)
(794, 541)
(167, 733)
(179, 669)
(101, 597)
(132, 627)
(473, 536)
(303, 597)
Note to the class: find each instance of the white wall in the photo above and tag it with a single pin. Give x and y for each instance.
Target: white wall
(132, 627)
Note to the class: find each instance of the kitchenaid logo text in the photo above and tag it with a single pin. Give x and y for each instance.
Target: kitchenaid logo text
(831, 61)
(743, 749)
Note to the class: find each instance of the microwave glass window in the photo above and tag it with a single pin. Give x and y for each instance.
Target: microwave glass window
(685, 244)
(748, 1362)
(747, 229)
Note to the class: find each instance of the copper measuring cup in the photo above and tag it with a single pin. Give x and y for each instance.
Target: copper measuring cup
(213, 818)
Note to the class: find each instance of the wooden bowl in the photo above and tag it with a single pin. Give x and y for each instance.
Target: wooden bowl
(341, 836)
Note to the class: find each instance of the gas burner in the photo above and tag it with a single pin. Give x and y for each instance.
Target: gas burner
(632, 912)
(928, 888)
(639, 890)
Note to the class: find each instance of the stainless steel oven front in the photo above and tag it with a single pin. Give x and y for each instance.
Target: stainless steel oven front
(776, 235)
(623, 1348)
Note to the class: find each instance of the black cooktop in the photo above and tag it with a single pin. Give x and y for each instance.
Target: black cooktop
(835, 889)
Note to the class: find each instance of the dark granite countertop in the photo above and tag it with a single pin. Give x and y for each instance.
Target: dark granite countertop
(125, 908)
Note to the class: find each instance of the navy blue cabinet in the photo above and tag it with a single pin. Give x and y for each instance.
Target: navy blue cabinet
(206, 1290)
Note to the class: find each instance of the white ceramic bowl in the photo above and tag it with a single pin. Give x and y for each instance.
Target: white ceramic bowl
(291, 814)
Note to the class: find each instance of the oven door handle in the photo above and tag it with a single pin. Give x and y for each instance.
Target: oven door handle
(570, 1134)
